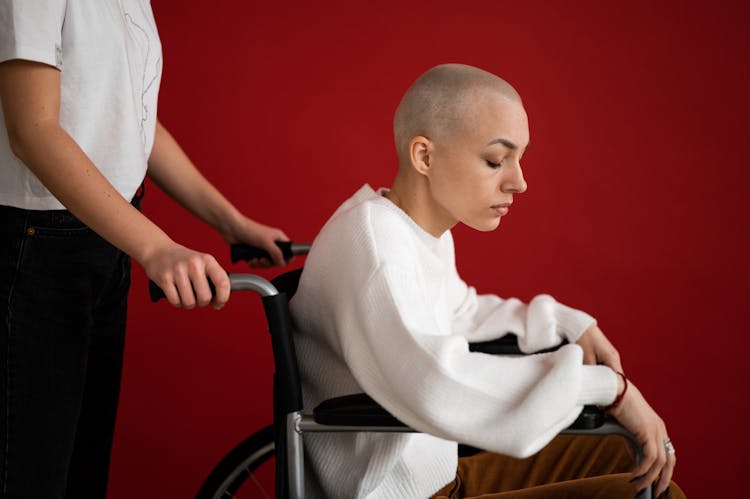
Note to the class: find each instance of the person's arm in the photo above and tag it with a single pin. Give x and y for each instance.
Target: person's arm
(30, 94)
(171, 169)
(519, 403)
(540, 324)
(510, 405)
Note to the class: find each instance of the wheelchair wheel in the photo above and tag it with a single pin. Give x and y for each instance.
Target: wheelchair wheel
(247, 471)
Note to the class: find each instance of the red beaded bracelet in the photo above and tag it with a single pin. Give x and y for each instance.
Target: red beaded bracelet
(619, 398)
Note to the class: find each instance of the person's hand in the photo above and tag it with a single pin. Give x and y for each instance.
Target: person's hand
(635, 414)
(262, 236)
(183, 276)
(598, 350)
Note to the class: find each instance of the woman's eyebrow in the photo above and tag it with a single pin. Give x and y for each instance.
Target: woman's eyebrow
(507, 143)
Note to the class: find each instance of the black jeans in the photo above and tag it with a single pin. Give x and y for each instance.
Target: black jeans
(63, 306)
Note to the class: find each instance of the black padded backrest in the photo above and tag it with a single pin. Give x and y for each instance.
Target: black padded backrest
(286, 376)
(287, 393)
(288, 282)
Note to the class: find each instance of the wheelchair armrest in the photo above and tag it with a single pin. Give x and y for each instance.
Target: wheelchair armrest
(353, 410)
(360, 409)
(591, 417)
(506, 345)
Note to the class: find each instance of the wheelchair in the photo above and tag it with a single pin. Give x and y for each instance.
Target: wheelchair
(284, 440)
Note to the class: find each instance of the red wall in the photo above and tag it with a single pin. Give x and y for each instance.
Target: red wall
(636, 209)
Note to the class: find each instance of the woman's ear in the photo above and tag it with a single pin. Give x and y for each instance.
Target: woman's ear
(420, 154)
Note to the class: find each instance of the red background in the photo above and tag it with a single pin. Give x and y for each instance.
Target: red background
(636, 209)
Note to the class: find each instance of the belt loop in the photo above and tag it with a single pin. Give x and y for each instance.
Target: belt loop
(27, 228)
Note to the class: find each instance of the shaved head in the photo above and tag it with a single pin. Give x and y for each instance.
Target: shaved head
(440, 103)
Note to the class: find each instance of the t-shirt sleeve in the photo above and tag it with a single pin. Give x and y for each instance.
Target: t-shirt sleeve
(432, 382)
(540, 324)
(32, 30)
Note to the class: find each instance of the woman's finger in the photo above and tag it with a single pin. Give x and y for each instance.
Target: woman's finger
(220, 280)
(197, 275)
(652, 474)
(648, 458)
(170, 292)
(277, 256)
(668, 469)
(184, 288)
(666, 474)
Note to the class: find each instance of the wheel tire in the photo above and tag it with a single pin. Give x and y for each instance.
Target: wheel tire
(237, 466)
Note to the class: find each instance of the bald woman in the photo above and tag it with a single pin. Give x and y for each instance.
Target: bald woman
(387, 313)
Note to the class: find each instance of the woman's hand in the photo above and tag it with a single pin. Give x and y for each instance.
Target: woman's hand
(598, 350)
(171, 169)
(637, 416)
(245, 230)
(183, 275)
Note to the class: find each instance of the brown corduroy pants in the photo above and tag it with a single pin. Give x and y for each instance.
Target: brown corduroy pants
(569, 467)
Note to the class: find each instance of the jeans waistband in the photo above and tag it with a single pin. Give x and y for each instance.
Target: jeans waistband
(62, 219)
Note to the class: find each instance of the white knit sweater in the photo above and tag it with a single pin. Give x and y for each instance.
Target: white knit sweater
(382, 310)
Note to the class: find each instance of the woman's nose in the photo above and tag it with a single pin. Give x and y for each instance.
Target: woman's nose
(514, 182)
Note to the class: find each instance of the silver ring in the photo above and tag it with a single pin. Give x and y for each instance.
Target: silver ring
(668, 446)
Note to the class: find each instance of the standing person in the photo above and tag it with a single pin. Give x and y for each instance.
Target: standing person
(79, 132)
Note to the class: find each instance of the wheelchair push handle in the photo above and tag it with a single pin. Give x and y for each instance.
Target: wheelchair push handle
(156, 293)
(247, 252)
(241, 252)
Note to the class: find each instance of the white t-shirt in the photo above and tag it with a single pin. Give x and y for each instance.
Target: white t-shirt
(110, 61)
(381, 309)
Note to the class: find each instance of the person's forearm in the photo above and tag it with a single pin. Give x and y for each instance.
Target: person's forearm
(60, 164)
(30, 96)
(171, 169)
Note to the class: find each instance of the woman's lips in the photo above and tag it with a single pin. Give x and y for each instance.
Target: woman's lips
(501, 209)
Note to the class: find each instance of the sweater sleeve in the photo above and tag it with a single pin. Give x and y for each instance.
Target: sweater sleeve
(430, 381)
(541, 324)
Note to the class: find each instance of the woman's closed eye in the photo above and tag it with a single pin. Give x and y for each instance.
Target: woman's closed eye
(492, 164)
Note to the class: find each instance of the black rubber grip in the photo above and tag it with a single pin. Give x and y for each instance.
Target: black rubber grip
(246, 252)
(156, 293)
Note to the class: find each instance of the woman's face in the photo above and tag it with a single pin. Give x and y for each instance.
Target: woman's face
(474, 174)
